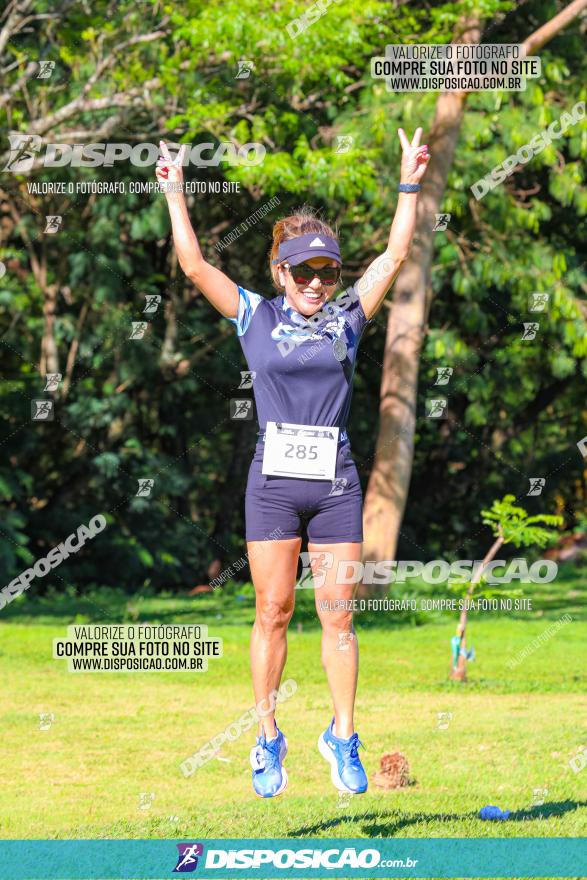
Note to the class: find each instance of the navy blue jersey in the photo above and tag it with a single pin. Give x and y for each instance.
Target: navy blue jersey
(304, 366)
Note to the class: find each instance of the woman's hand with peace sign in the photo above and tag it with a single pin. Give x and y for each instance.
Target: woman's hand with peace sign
(218, 289)
(170, 170)
(373, 286)
(415, 158)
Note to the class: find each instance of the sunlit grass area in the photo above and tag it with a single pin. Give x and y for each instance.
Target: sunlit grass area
(107, 764)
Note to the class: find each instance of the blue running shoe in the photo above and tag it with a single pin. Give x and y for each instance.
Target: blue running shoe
(342, 754)
(269, 774)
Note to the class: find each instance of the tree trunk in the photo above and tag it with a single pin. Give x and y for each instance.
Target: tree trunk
(389, 482)
(459, 672)
(387, 491)
(49, 355)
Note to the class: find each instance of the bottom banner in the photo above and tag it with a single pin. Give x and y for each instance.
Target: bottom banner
(360, 857)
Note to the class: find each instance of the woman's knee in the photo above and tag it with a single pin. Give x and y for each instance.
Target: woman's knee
(274, 616)
(336, 621)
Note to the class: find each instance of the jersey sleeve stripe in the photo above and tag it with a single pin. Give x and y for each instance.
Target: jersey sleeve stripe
(248, 302)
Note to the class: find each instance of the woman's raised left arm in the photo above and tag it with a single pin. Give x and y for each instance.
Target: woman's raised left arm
(376, 281)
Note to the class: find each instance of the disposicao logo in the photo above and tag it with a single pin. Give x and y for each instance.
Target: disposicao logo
(25, 149)
(285, 859)
(187, 860)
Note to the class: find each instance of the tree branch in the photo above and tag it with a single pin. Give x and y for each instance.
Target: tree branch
(28, 72)
(81, 105)
(548, 31)
(13, 22)
(73, 349)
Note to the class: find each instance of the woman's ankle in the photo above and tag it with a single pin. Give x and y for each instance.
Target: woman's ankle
(344, 729)
(267, 727)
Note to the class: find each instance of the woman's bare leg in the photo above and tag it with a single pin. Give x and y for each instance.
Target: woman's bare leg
(340, 653)
(273, 568)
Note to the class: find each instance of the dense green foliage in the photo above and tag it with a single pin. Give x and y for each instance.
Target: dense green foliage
(158, 407)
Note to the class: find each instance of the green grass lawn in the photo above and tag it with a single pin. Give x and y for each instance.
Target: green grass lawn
(117, 735)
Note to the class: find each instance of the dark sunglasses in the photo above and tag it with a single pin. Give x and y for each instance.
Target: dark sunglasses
(304, 274)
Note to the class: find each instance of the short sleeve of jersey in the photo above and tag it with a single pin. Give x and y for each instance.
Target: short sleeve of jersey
(248, 303)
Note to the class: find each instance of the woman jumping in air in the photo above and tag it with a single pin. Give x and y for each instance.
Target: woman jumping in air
(302, 347)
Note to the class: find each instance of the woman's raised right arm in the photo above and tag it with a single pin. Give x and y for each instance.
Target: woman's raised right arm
(214, 284)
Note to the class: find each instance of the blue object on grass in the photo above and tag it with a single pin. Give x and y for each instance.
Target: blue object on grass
(455, 645)
(491, 812)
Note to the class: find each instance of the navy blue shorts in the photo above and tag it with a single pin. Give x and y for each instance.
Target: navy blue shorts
(276, 507)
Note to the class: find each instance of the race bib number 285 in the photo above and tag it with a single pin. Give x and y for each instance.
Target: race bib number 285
(304, 451)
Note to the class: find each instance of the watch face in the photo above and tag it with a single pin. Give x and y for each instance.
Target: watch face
(339, 349)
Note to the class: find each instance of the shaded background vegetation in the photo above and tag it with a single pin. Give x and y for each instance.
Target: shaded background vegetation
(159, 407)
